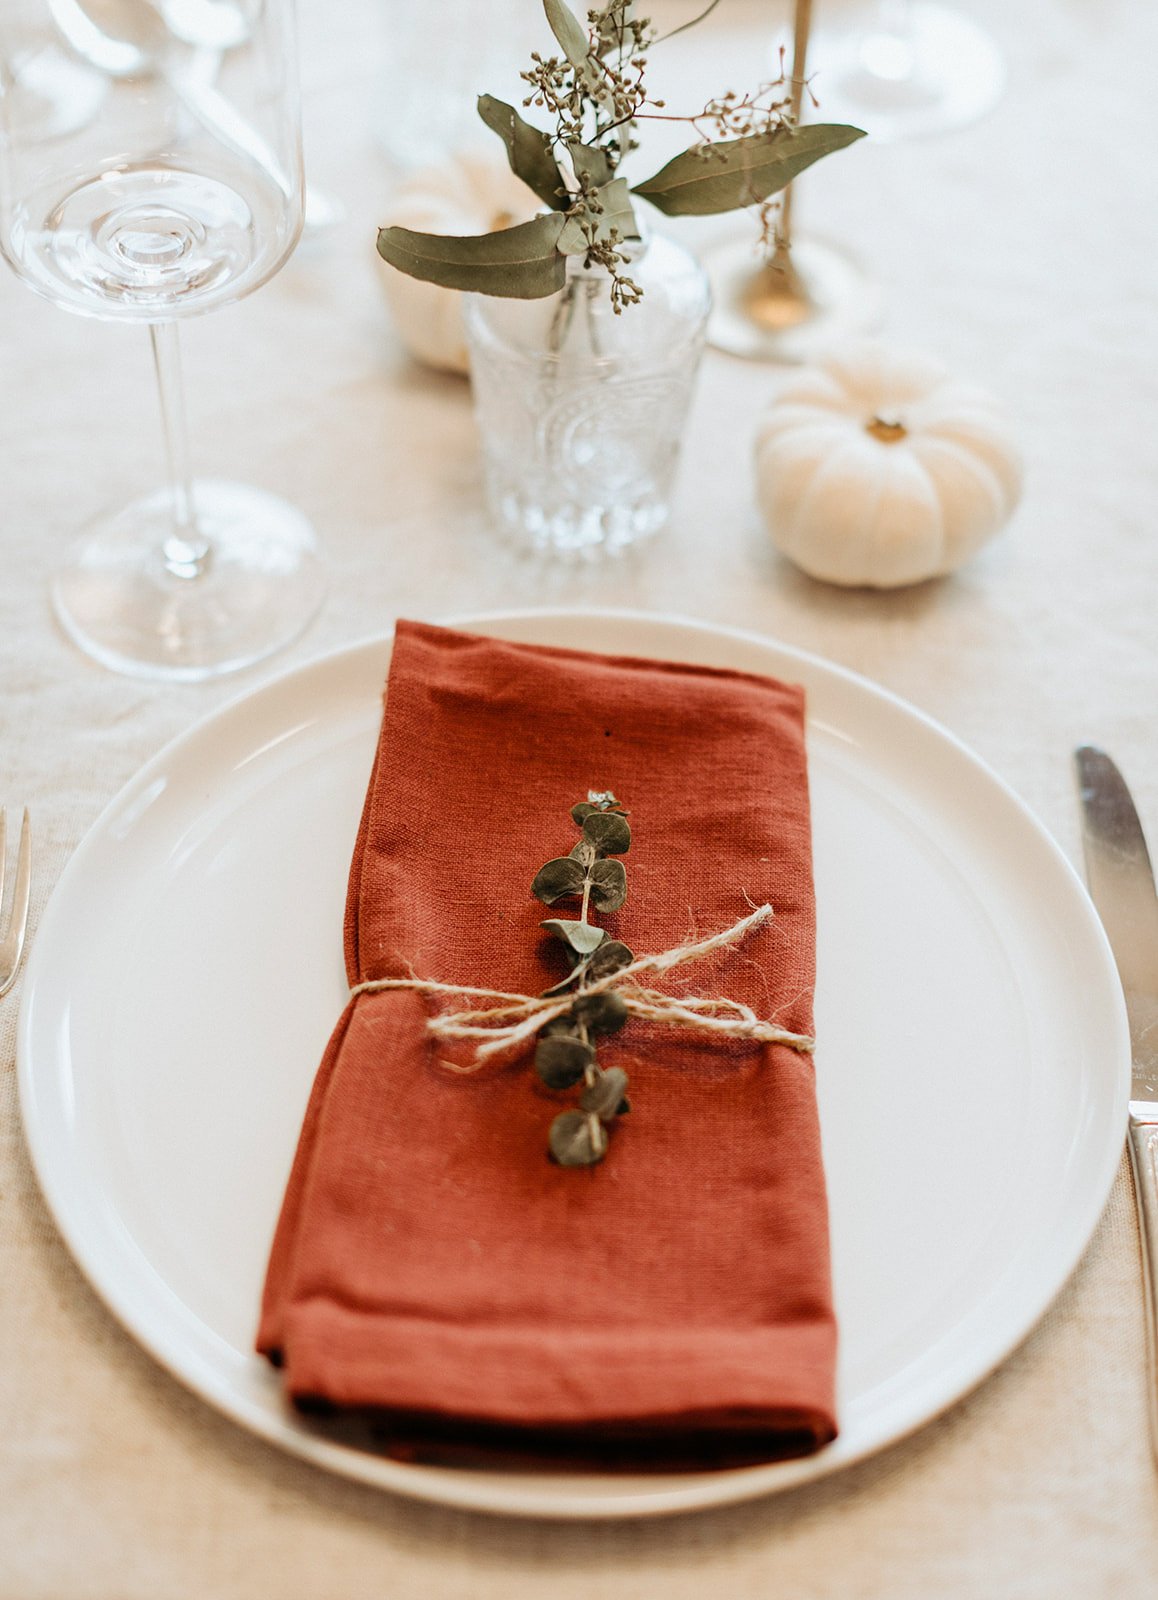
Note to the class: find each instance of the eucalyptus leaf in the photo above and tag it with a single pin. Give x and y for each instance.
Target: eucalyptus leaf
(618, 212)
(561, 1060)
(528, 151)
(572, 37)
(608, 957)
(617, 216)
(582, 810)
(605, 1096)
(576, 972)
(557, 878)
(601, 1013)
(608, 832)
(608, 881)
(584, 851)
(560, 1026)
(611, 956)
(741, 172)
(581, 936)
(591, 162)
(577, 1139)
(521, 263)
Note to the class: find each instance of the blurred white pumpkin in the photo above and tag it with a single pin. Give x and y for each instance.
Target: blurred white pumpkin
(470, 193)
(877, 468)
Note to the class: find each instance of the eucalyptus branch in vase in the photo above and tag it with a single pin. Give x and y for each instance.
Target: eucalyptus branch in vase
(746, 149)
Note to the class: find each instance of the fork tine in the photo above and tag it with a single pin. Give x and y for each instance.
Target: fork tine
(23, 890)
(12, 945)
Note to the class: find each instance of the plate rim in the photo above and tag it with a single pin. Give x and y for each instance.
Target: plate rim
(445, 1486)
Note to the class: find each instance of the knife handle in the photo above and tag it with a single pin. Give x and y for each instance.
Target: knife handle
(1143, 1143)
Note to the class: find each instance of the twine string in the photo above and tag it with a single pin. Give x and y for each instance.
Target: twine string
(511, 1019)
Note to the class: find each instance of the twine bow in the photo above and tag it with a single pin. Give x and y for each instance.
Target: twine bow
(509, 1021)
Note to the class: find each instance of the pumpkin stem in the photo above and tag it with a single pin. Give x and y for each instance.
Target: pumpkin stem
(887, 431)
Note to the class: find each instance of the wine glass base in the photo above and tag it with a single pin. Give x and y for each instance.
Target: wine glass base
(769, 316)
(260, 587)
(942, 71)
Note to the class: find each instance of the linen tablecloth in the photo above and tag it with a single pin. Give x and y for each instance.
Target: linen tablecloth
(1021, 251)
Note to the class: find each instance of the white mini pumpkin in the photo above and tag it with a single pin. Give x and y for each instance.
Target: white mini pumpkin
(877, 468)
(470, 193)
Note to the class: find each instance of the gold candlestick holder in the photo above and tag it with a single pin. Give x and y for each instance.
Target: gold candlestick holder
(809, 294)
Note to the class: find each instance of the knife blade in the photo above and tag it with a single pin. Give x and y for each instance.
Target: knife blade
(1121, 883)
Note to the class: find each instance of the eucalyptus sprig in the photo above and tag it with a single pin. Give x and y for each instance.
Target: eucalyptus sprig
(566, 1054)
(594, 89)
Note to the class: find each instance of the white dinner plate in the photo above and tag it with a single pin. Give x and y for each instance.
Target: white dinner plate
(973, 1054)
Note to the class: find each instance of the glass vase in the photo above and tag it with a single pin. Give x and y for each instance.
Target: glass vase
(581, 410)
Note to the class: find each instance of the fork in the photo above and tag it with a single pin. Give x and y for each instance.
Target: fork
(12, 938)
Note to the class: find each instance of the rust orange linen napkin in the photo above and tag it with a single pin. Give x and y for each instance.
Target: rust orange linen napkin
(431, 1264)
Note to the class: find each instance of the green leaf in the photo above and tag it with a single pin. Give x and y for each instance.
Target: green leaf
(564, 984)
(605, 1096)
(612, 956)
(581, 936)
(590, 162)
(528, 151)
(522, 263)
(617, 214)
(570, 33)
(577, 1139)
(741, 172)
(557, 878)
(581, 811)
(601, 1013)
(558, 1027)
(561, 1060)
(608, 832)
(608, 885)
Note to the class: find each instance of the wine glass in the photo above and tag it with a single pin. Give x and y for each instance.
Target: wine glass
(183, 191)
(908, 68)
(54, 91)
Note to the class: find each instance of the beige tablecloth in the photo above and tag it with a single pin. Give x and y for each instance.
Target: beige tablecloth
(1022, 250)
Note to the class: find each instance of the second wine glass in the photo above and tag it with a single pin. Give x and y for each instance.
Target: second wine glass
(181, 193)
(906, 68)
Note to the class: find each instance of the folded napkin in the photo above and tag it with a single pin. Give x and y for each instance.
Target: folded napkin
(432, 1266)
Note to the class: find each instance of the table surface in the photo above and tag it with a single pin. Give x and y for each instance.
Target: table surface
(1021, 251)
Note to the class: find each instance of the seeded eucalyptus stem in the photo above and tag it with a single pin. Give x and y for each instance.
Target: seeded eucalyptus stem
(566, 1054)
(593, 91)
(593, 319)
(561, 317)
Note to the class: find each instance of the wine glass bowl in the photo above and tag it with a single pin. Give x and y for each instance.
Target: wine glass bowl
(908, 68)
(171, 199)
(181, 192)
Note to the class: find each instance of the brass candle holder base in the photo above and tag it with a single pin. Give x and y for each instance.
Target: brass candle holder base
(789, 309)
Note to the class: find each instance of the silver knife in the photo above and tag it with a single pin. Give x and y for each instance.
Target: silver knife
(1121, 882)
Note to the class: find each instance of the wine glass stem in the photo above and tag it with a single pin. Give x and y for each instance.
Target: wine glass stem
(186, 551)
